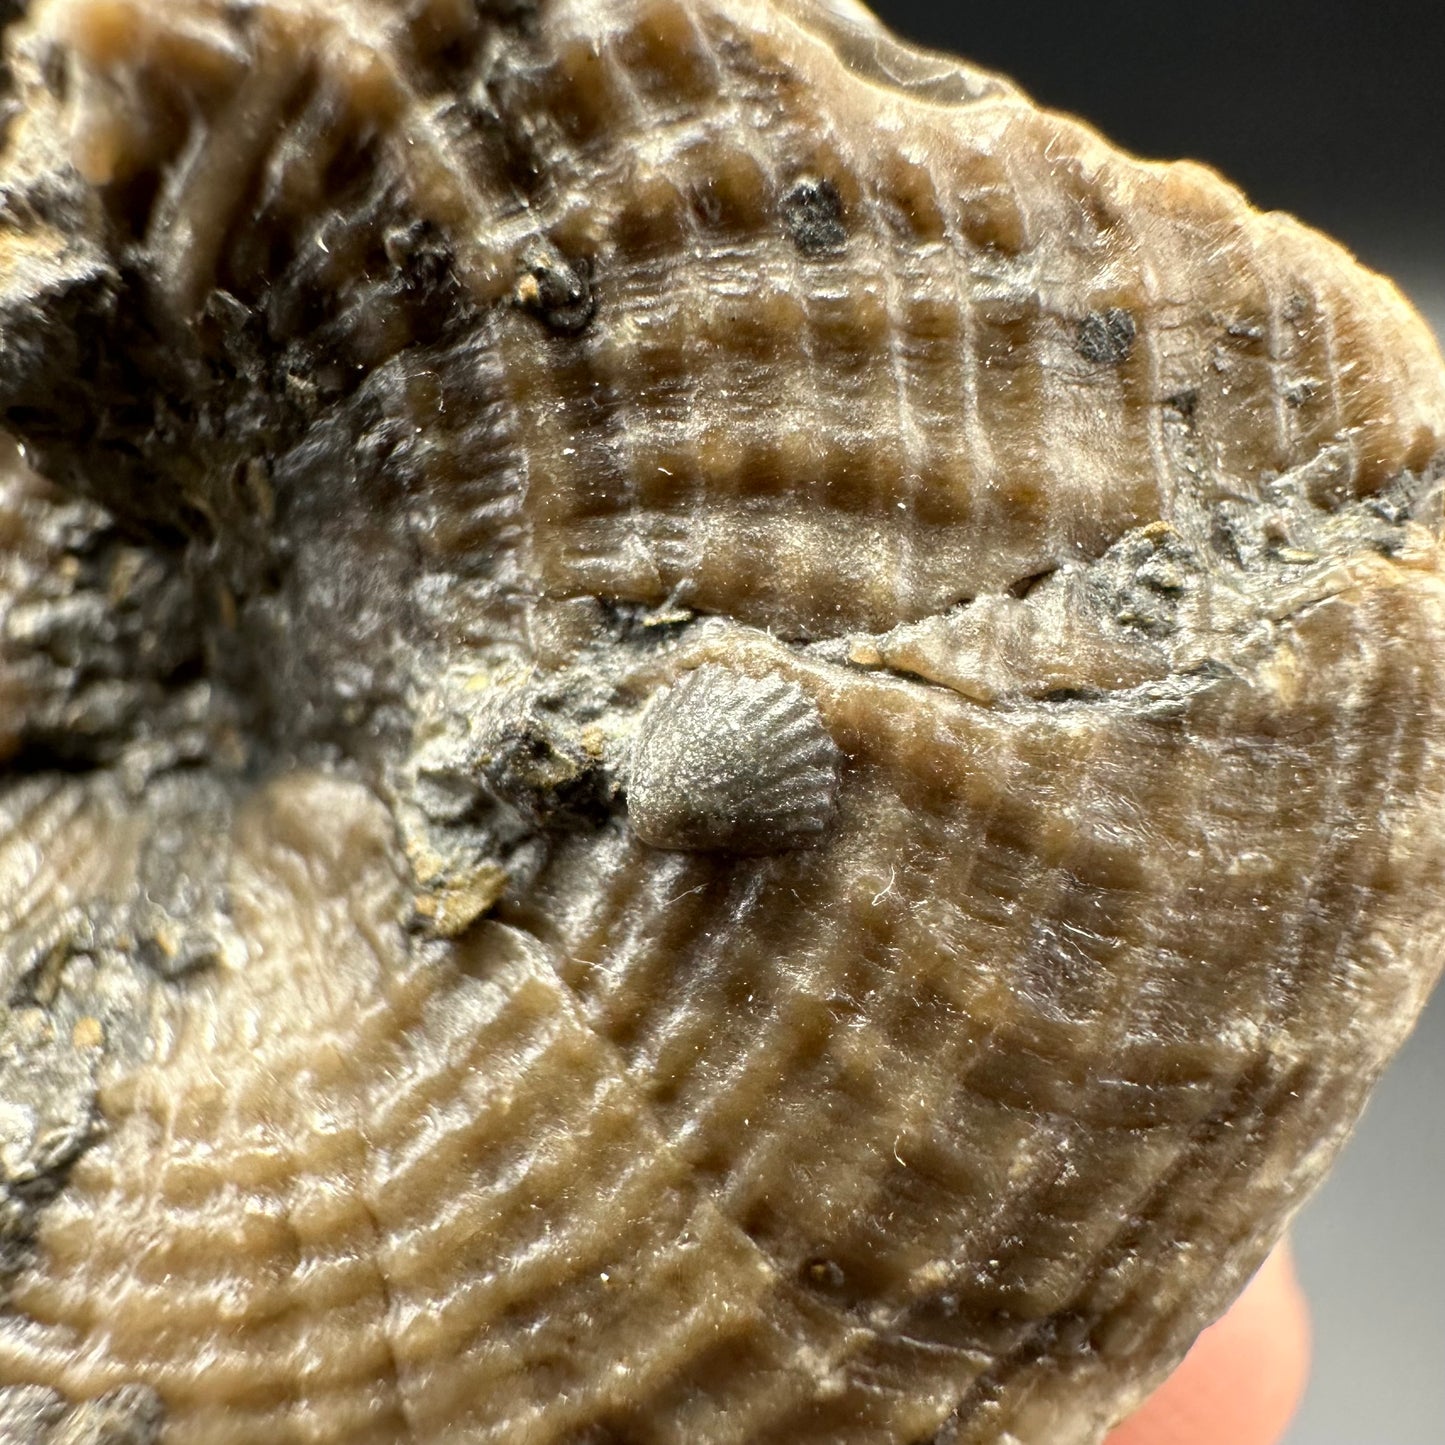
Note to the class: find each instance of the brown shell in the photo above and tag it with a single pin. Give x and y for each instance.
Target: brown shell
(410, 395)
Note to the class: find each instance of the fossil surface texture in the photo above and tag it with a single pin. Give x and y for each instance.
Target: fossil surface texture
(710, 736)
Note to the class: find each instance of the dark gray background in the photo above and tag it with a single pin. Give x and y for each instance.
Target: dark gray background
(1335, 111)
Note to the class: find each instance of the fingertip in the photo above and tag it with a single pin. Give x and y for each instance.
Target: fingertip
(1242, 1381)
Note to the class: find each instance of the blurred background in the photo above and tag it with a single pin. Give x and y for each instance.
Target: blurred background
(1335, 110)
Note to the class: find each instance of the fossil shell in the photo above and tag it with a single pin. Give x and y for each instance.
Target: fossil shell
(724, 762)
(444, 423)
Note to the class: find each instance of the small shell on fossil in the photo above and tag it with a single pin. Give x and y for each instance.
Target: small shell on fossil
(707, 733)
(724, 762)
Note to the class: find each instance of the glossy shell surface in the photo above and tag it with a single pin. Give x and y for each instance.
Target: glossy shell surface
(711, 735)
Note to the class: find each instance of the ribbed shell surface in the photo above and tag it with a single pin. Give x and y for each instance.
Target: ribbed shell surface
(485, 370)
